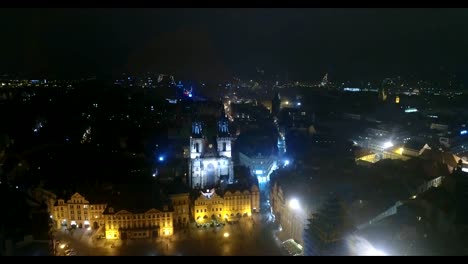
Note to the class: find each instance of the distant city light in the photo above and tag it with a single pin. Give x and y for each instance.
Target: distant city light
(294, 204)
(411, 110)
(387, 145)
(351, 89)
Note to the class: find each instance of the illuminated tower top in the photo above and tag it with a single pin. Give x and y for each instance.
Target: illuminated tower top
(197, 129)
(223, 125)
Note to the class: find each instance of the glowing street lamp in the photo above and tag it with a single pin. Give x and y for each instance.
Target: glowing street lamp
(294, 204)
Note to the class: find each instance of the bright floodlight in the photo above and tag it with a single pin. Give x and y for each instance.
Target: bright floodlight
(294, 204)
(387, 145)
(359, 246)
(373, 252)
(226, 234)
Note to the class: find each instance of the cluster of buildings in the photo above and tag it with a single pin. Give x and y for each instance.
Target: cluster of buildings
(210, 168)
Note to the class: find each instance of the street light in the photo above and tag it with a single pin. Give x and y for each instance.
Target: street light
(294, 204)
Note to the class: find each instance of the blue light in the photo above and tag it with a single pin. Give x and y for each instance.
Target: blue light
(258, 172)
(190, 95)
(298, 103)
(286, 162)
(463, 132)
(161, 158)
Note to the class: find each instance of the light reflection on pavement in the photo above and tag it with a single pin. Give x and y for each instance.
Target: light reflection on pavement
(248, 237)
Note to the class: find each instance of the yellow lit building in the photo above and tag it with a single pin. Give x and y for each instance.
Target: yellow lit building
(78, 212)
(228, 207)
(152, 223)
(181, 205)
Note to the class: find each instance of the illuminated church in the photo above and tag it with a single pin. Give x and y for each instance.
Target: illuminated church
(210, 162)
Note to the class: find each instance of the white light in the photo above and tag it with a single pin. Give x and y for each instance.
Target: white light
(62, 246)
(373, 252)
(387, 145)
(294, 204)
(51, 216)
(154, 174)
(89, 228)
(359, 246)
(286, 162)
(226, 234)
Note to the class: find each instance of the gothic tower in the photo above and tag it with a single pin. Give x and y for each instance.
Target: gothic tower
(224, 138)
(196, 140)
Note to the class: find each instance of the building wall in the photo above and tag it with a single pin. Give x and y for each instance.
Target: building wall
(224, 146)
(78, 212)
(181, 205)
(199, 164)
(227, 207)
(292, 221)
(199, 169)
(127, 225)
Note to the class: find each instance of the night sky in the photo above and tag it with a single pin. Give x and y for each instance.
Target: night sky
(357, 44)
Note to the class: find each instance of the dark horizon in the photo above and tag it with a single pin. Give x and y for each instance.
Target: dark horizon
(218, 44)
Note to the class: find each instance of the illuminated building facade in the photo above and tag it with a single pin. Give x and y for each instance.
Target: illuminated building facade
(181, 205)
(292, 218)
(210, 164)
(124, 224)
(78, 212)
(227, 207)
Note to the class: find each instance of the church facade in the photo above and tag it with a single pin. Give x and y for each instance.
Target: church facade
(210, 162)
